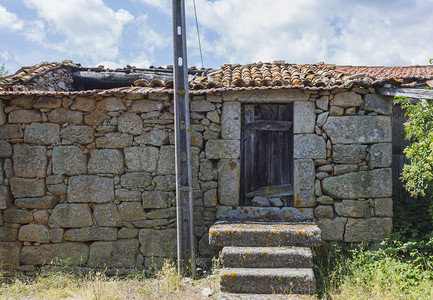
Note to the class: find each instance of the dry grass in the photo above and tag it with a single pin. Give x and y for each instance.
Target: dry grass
(165, 284)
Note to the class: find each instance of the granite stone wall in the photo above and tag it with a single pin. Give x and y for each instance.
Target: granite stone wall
(88, 178)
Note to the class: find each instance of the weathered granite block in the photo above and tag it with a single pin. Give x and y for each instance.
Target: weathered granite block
(231, 121)
(47, 102)
(136, 179)
(8, 234)
(141, 158)
(127, 195)
(94, 233)
(107, 215)
(114, 140)
(11, 132)
(111, 104)
(166, 162)
(56, 235)
(163, 213)
(372, 229)
(36, 203)
(61, 254)
(2, 114)
(24, 116)
(359, 129)
(165, 183)
(324, 212)
(347, 99)
(383, 207)
(42, 133)
(322, 103)
(84, 104)
(106, 161)
(379, 104)
(157, 199)
(20, 216)
(201, 106)
(62, 115)
(95, 118)
(118, 254)
(304, 179)
(158, 243)
(210, 198)
(132, 211)
(24, 187)
(30, 161)
(10, 255)
(80, 134)
(321, 119)
(380, 155)
(71, 216)
(90, 188)
(332, 229)
(349, 154)
(343, 169)
(34, 233)
(5, 149)
(155, 137)
(5, 197)
(228, 181)
(353, 208)
(143, 106)
(221, 149)
(304, 117)
(365, 184)
(69, 160)
(130, 123)
(127, 233)
(309, 146)
(207, 171)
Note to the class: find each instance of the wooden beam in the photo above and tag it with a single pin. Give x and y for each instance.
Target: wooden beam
(410, 93)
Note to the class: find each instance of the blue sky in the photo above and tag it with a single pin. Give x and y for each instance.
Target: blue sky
(115, 33)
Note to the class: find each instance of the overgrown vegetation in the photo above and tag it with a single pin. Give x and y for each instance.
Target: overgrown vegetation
(3, 71)
(402, 267)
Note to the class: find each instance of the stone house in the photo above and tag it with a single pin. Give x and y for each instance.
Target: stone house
(87, 157)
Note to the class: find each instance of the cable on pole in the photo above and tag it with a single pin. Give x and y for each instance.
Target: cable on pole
(198, 34)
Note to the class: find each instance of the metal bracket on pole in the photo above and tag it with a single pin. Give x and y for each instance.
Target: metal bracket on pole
(184, 203)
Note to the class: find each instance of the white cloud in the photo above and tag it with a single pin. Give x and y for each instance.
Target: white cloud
(150, 39)
(87, 28)
(163, 5)
(9, 20)
(35, 31)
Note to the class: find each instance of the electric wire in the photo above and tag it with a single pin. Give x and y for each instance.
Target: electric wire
(198, 34)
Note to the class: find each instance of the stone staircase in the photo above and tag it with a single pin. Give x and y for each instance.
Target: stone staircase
(262, 260)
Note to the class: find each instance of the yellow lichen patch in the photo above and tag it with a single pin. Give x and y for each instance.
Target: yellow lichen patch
(308, 234)
(213, 232)
(302, 280)
(246, 211)
(232, 274)
(301, 210)
(280, 280)
(220, 234)
(269, 213)
(225, 231)
(225, 276)
(265, 252)
(275, 231)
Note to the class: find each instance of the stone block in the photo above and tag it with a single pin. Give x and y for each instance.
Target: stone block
(347, 99)
(63, 115)
(359, 129)
(378, 104)
(5, 149)
(47, 102)
(132, 211)
(8, 234)
(2, 114)
(114, 140)
(155, 137)
(304, 117)
(349, 154)
(94, 233)
(201, 106)
(144, 106)
(130, 123)
(34, 233)
(25, 187)
(136, 180)
(380, 155)
(41, 216)
(164, 213)
(20, 216)
(111, 104)
(158, 243)
(166, 162)
(207, 171)
(106, 161)
(54, 179)
(157, 199)
(42, 133)
(10, 255)
(343, 169)
(90, 188)
(332, 229)
(118, 254)
(71, 216)
(321, 119)
(24, 116)
(363, 184)
(57, 189)
(196, 139)
(127, 195)
(322, 103)
(363, 230)
(80, 134)
(69, 160)
(324, 212)
(95, 118)
(228, 181)
(30, 161)
(309, 146)
(84, 104)
(207, 250)
(353, 208)
(304, 180)
(56, 235)
(141, 158)
(231, 121)
(223, 149)
(107, 215)
(383, 207)
(73, 254)
(210, 198)
(166, 183)
(36, 203)
(5, 197)
(11, 132)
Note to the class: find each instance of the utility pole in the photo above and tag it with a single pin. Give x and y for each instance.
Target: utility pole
(184, 203)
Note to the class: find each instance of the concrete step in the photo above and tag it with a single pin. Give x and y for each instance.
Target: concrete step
(270, 214)
(267, 281)
(264, 234)
(267, 257)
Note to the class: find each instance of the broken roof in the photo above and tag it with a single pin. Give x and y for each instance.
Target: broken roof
(276, 75)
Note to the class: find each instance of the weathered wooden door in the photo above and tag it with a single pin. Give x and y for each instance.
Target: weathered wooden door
(267, 151)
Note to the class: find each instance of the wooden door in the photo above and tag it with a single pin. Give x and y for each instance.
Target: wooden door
(267, 151)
